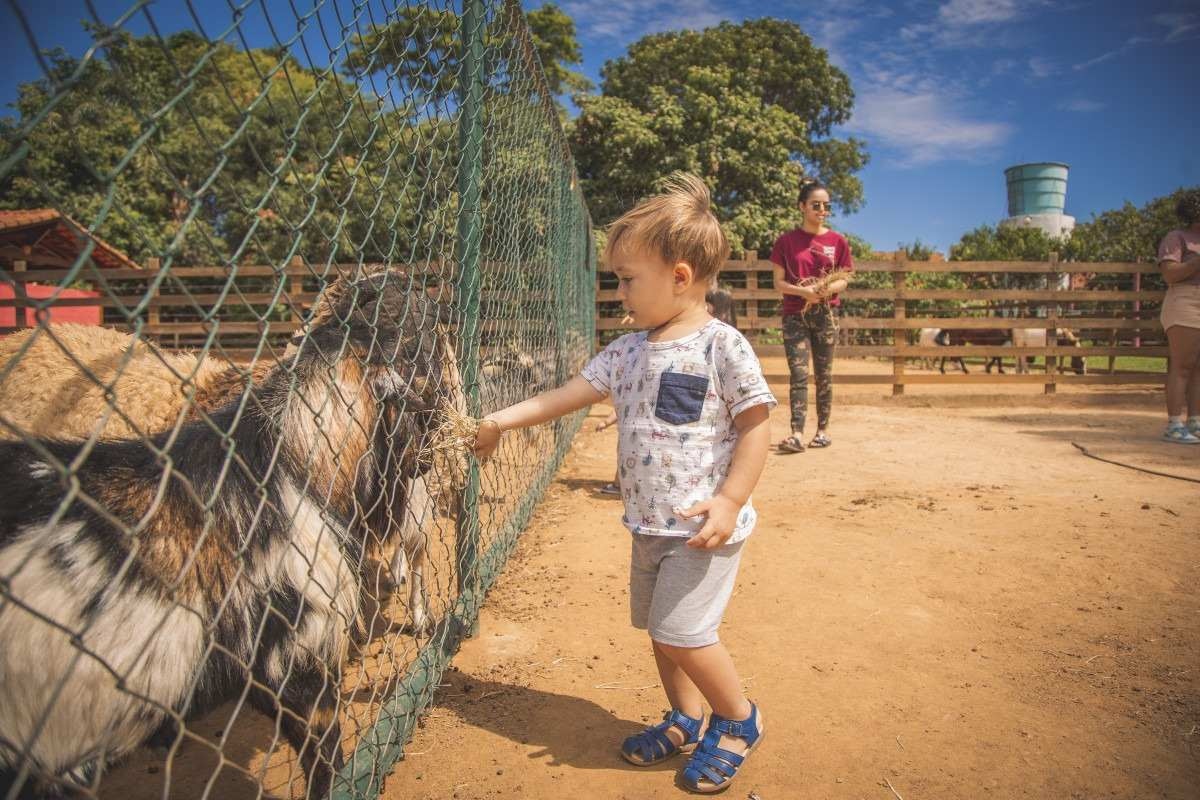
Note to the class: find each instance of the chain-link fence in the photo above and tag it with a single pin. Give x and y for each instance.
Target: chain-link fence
(237, 569)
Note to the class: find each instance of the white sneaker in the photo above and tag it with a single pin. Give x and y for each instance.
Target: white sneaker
(1178, 433)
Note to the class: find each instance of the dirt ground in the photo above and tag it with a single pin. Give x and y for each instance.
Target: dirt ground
(950, 602)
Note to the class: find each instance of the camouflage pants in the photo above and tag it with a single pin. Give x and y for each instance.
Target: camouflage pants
(814, 331)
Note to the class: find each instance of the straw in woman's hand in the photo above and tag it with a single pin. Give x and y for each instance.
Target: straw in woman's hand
(822, 283)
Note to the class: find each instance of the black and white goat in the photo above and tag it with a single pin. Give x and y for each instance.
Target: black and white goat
(143, 584)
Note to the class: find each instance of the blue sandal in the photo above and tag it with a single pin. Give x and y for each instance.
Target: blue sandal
(711, 769)
(653, 746)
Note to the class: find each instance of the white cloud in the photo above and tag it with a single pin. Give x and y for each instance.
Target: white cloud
(1111, 54)
(1042, 67)
(974, 12)
(1180, 26)
(627, 19)
(960, 24)
(923, 127)
(1082, 105)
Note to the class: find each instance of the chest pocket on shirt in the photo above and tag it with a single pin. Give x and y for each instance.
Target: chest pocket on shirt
(680, 397)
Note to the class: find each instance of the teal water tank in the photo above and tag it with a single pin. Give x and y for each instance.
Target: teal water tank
(1039, 188)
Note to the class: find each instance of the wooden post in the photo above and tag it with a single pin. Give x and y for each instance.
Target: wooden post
(153, 314)
(21, 296)
(1052, 332)
(295, 288)
(752, 303)
(1137, 306)
(899, 334)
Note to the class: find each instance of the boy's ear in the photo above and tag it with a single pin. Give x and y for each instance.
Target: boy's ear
(683, 274)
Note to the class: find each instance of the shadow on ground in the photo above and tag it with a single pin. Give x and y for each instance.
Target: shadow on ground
(1131, 437)
(565, 729)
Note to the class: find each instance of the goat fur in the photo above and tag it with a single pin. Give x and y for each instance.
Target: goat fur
(164, 578)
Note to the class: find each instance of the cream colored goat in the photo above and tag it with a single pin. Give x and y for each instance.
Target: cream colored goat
(55, 383)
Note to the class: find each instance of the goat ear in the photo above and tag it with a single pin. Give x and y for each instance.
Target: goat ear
(329, 299)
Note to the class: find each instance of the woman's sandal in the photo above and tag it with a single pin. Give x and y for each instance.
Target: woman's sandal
(791, 444)
(820, 440)
(711, 769)
(653, 746)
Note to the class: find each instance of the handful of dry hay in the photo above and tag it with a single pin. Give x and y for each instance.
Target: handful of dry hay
(825, 281)
(822, 284)
(455, 433)
(447, 445)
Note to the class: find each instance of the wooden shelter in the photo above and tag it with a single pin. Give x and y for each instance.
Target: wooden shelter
(42, 238)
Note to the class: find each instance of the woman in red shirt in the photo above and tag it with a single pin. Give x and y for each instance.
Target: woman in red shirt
(809, 322)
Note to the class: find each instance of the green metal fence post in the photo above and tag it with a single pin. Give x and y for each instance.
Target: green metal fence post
(470, 229)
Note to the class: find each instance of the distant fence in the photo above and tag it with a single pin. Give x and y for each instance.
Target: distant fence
(1110, 319)
(250, 311)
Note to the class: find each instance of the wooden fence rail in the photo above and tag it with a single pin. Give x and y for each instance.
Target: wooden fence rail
(1127, 314)
(192, 306)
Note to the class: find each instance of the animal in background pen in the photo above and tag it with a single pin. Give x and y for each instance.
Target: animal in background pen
(147, 583)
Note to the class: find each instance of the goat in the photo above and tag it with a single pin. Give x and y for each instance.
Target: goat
(927, 337)
(1036, 337)
(76, 381)
(947, 337)
(149, 584)
(1016, 337)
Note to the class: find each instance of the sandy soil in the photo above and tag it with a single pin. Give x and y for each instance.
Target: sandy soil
(950, 602)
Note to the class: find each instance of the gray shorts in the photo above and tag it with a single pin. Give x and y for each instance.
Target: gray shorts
(678, 593)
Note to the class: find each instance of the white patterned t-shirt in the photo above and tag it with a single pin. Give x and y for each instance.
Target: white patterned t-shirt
(675, 403)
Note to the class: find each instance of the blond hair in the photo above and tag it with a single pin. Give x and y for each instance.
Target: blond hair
(677, 225)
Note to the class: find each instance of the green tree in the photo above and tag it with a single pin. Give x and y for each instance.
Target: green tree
(558, 49)
(860, 248)
(749, 107)
(419, 53)
(253, 158)
(1005, 243)
(917, 251)
(1127, 233)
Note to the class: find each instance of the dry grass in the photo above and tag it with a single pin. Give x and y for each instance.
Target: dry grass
(826, 280)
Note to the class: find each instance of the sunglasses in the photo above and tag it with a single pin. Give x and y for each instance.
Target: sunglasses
(817, 205)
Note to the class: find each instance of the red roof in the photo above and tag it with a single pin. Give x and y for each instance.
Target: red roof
(48, 231)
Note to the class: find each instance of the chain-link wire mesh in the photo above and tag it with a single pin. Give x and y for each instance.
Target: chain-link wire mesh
(240, 535)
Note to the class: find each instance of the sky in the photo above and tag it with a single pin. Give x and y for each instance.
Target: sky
(948, 92)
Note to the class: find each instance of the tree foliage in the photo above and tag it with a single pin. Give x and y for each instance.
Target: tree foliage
(251, 157)
(419, 52)
(1127, 233)
(558, 49)
(1124, 234)
(1004, 243)
(206, 153)
(748, 107)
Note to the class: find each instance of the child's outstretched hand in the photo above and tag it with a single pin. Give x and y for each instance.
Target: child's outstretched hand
(722, 519)
(486, 438)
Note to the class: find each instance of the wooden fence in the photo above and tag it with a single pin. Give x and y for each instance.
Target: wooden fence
(192, 306)
(1116, 322)
(252, 316)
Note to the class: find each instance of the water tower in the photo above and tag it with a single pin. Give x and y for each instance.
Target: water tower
(1037, 198)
